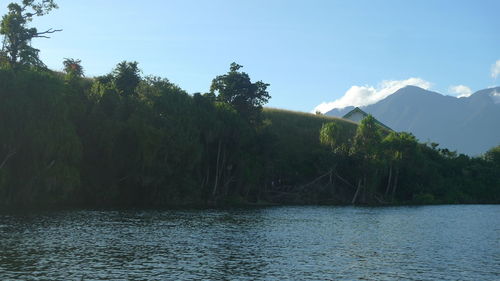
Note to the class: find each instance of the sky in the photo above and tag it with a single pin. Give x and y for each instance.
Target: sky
(314, 54)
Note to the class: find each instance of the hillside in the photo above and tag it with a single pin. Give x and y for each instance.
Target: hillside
(297, 155)
(69, 141)
(464, 124)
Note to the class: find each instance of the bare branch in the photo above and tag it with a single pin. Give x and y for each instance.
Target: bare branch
(10, 154)
(344, 180)
(315, 180)
(49, 31)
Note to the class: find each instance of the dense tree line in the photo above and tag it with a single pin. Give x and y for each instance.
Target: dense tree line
(123, 139)
(392, 167)
(126, 139)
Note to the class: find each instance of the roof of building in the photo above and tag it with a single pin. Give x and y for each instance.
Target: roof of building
(350, 113)
(358, 110)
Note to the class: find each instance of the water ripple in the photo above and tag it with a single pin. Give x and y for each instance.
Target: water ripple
(278, 243)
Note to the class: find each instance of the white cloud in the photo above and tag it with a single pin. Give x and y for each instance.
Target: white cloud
(495, 69)
(460, 91)
(366, 95)
(496, 97)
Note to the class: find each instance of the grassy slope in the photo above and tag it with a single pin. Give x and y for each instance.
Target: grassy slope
(299, 156)
(299, 126)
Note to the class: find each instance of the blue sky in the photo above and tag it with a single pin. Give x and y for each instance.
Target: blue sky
(309, 51)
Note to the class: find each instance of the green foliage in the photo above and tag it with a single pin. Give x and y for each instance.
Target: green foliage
(72, 140)
(399, 146)
(40, 150)
(493, 155)
(394, 167)
(126, 140)
(17, 49)
(126, 77)
(236, 89)
(337, 135)
(73, 68)
(295, 154)
(367, 139)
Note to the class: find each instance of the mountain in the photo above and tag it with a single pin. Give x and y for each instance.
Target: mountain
(469, 125)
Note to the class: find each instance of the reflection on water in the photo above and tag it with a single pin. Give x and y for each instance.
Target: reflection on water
(277, 243)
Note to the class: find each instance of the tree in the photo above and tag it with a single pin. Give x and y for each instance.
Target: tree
(127, 77)
(336, 135)
(16, 48)
(367, 138)
(493, 155)
(236, 89)
(398, 149)
(73, 67)
(39, 148)
(366, 148)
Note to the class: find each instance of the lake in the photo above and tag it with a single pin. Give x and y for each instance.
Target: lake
(450, 242)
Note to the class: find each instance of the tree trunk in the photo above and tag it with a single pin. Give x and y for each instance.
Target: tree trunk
(206, 179)
(389, 181)
(223, 172)
(344, 180)
(395, 183)
(216, 181)
(365, 189)
(315, 180)
(357, 192)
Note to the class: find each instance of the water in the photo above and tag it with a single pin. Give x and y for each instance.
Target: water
(277, 243)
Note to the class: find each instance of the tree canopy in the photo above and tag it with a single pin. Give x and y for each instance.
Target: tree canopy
(236, 89)
(16, 46)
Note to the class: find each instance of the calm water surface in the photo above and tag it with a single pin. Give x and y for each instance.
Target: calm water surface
(277, 243)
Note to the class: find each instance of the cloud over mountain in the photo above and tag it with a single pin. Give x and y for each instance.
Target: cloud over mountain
(468, 125)
(460, 91)
(496, 96)
(366, 95)
(495, 69)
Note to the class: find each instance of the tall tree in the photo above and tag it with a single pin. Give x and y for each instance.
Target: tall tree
(16, 47)
(236, 89)
(398, 149)
(73, 68)
(127, 77)
(367, 138)
(336, 135)
(366, 148)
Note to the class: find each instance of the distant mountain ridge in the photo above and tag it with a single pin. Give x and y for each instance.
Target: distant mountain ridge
(470, 125)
